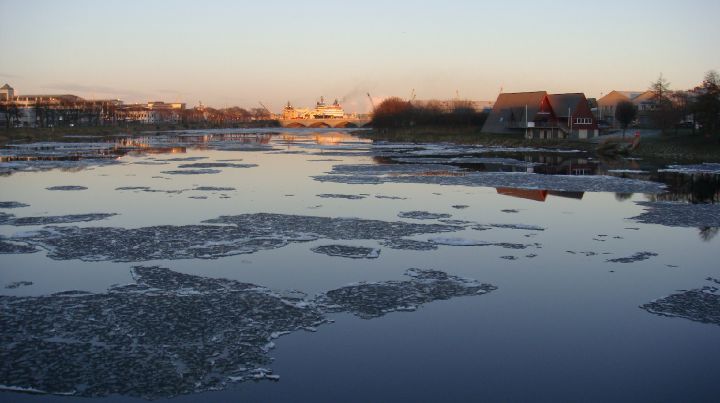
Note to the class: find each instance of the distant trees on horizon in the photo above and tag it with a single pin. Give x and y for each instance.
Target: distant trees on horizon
(395, 113)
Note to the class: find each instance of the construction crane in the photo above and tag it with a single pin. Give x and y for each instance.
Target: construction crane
(371, 102)
(412, 95)
(266, 108)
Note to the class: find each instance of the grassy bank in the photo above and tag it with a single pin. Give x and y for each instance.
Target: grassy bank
(686, 148)
(31, 134)
(680, 148)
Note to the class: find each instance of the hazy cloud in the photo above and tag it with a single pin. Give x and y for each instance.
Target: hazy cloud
(7, 75)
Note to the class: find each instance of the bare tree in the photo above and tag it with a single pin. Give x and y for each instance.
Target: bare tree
(663, 115)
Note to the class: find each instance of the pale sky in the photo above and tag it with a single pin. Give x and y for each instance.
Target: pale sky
(227, 53)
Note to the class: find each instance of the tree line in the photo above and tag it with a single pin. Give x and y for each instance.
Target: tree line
(395, 113)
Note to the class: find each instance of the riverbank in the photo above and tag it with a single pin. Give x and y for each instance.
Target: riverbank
(33, 134)
(470, 136)
(685, 148)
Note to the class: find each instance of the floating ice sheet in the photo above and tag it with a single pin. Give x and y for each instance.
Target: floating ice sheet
(636, 257)
(8, 168)
(214, 189)
(12, 204)
(67, 188)
(10, 219)
(459, 241)
(422, 215)
(371, 300)
(352, 252)
(340, 196)
(704, 168)
(378, 174)
(408, 244)
(15, 247)
(466, 160)
(673, 214)
(202, 165)
(201, 171)
(699, 305)
(215, 238)
(171, 333)
(18, 284)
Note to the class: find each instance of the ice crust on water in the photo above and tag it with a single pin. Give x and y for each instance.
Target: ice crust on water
(458, 241)
(466, 160)
(67, 188)
(636, 257)
(202, 171)
(340, 196)
(7, 168)
(203, 165)
(372, 174)
(408, 244)
(352, 252)
(213, 189)
(371, 300)
(7, 248)
(699, 305)
(18, 284)
(704, 168)
(171, 333)
(673, 214)
(422, 215)
(215, 238)
(12, 204)
(10, 219)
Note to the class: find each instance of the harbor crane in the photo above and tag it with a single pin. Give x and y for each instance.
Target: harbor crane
(266, 108)
(371, 102)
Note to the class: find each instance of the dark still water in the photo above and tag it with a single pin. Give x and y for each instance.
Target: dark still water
(317, 266)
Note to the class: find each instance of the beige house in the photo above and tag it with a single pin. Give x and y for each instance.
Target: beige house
(643, 100)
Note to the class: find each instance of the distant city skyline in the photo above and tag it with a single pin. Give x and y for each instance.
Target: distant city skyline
(228, 54)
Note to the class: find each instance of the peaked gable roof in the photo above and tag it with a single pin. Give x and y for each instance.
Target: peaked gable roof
(512, 107)
(562, 103)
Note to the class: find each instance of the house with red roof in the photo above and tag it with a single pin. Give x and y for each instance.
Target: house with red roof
(539, 115)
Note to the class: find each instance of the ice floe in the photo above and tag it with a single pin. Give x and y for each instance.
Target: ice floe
(67, 188)
(171, 333)
(371, 300)
(699, 305)
(422, 215)
(202, 165)
(10, 219)
(451, 176)
(704, 168)
(352, 252)
(214, 189)
(18, 284)
(200, 171)
(459, 241)
(340, 196)
(215, 238)
(636, 257)
(674, 214)
(12, 204)
(7, 248)
(408, 244)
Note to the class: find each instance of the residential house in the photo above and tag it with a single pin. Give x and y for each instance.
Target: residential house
(643, 100)
(540, 115)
